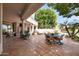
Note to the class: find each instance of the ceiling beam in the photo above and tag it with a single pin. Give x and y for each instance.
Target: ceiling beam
(33, 7)
(24, 9)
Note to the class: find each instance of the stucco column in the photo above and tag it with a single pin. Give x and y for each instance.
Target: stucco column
(14, 27)
(25, 26)
(22, 24)
(1, 39)
(37, 27)
(18, 29)
(32, 28)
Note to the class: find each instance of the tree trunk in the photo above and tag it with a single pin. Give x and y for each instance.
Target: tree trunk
(67, 30)
(73, 32)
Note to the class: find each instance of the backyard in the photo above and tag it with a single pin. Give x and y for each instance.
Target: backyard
(59, 17)
(53, 30)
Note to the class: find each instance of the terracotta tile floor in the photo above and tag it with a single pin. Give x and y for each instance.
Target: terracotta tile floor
(36, 45)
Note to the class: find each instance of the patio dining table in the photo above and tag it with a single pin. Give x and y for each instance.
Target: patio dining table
(56, 35)
(56, 38)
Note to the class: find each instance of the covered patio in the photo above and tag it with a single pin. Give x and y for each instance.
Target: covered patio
(14, 16)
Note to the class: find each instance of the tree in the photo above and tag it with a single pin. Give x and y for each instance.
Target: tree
(71, 28)
(66, 9)
(46, 18)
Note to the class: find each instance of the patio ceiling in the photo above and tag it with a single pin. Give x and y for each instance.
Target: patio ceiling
(12, 11)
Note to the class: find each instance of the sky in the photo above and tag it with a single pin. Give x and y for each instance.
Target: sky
(61, 19)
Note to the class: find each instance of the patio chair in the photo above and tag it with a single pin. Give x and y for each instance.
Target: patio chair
(14, 33)
(24, 35)
(7, 34)
(58, 39)
(49, 39)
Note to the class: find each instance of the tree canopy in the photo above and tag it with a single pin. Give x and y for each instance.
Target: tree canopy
(66, 9)
(46, 18)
